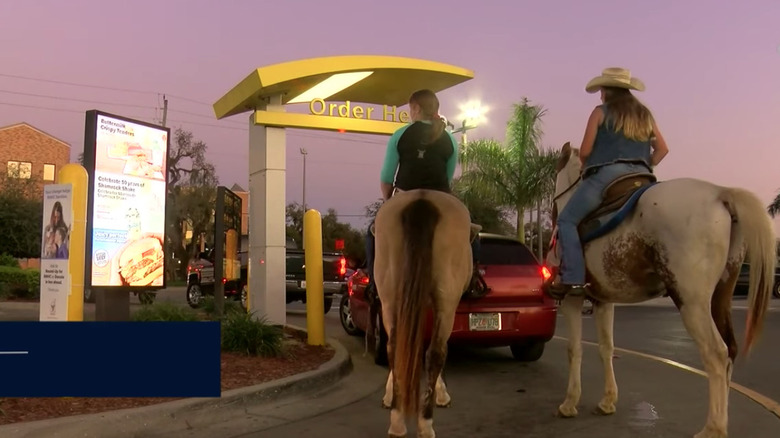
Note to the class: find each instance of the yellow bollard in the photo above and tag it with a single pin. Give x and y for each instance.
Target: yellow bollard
(76, 175)
(315, 297)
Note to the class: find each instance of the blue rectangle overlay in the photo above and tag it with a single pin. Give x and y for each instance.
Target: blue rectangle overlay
(110, 359)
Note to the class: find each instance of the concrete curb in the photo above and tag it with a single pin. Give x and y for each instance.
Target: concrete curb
(134, 422)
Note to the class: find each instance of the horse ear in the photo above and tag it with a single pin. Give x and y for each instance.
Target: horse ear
(563, 159)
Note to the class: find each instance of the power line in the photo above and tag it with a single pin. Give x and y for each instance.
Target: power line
(99, 87)
(19, 93)
(155, 108)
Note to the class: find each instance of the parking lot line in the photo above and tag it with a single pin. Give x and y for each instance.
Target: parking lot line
(767, 403)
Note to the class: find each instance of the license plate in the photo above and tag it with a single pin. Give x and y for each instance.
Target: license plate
(484, 321)
(303, 285)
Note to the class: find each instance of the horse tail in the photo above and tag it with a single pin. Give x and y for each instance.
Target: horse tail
(749, 215)
(419, 220)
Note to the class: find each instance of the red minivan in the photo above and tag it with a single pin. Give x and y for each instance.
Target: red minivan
(514, 312)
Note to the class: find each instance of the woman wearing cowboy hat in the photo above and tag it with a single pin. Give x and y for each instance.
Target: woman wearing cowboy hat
(621, 137)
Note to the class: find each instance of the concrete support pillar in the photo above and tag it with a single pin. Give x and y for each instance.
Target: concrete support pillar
(267, 257)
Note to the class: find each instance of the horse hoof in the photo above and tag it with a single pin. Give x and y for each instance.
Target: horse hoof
(444, 405)
(392, 435)
(385, 406)
(564, 412)
(601, 410)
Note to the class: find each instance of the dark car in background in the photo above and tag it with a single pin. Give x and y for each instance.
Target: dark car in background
(334, 270)
(201, 281)
(744, 279)
(514, 313)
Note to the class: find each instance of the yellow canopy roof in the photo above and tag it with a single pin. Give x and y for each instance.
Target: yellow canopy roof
(392, 80)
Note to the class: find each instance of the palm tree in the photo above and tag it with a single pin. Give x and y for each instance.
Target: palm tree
(517, 176)
(774, 207)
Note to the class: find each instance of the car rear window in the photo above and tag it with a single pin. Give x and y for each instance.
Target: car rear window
(504, 252)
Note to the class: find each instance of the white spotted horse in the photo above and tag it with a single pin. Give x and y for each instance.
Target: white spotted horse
(423, 266)
(682, 238)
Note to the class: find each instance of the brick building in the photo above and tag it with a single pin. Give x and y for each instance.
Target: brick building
(27, 152)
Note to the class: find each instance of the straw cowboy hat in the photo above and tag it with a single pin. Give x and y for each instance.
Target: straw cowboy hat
(615, 77)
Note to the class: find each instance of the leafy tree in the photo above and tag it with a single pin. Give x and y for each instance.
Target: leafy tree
(774, 207)
(332, 229)
(484, 212)
(373, 208)
(21, 216)
(192, 191)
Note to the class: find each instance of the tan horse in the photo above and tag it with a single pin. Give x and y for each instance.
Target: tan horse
(685, 239)
(423, 262)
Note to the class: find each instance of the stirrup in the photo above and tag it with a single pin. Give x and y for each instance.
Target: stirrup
(558, 291)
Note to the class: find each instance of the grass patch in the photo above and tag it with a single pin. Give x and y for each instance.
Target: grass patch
(209, 306)
(164, 311)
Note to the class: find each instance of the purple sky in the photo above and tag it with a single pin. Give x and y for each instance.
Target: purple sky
(712, 71)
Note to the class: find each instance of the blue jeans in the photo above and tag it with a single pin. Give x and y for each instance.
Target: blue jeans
(586, 198)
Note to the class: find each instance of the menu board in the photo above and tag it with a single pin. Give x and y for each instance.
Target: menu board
(128, 203)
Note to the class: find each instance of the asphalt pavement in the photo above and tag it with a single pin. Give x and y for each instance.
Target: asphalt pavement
(494, 396)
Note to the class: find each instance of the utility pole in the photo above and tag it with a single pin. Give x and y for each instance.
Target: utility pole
(165, 110)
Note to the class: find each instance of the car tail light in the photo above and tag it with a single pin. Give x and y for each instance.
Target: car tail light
(342, 266)
(364, 280)
(546, 274)
(224, 280)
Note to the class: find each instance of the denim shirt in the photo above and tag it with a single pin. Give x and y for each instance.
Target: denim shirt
(612, 147)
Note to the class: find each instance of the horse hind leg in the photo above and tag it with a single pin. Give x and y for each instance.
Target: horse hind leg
(443, 399)
(702, 328)
(605, 317)
(572, 310)
(387, 399)
(397, 420)
(435, 358)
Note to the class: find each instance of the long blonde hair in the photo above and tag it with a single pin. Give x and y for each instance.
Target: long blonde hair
(628, 114)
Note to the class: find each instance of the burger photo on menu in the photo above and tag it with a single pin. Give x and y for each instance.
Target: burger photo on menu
(140, 262)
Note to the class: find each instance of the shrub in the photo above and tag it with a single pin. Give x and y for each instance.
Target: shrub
(241, 333)
(209, 306)
(20, 283)
(8, 260)
(163, 311)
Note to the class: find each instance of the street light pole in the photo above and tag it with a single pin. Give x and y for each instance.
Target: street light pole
(304, 153)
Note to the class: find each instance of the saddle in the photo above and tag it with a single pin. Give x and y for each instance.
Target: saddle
(620, 197)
